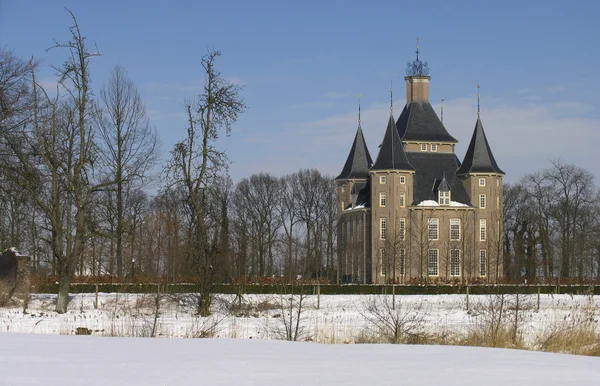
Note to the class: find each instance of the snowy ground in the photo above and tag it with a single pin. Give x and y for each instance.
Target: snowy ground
(333, 319)
(93, 361)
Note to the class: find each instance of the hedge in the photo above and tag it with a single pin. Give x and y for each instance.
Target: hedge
(328, 289)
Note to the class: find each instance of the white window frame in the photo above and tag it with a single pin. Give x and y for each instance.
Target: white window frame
(402, 262)
(482, 262)
(382, 228)
(482, 182)
(402, 179)
(343, 205)
(382, 199)
(423, 147)
(433, 262)
(434, 147)
(455, 231)
(482, 230)
(402, 199)
(444, 198)
(402, 225)
(382, 180)
(482, 201)
(433, 229)
(383, 261)
(455, 262)
(497, 202)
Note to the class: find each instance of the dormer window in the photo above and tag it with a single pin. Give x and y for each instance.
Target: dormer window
(433, 147)
(444, 198)
(423, 147)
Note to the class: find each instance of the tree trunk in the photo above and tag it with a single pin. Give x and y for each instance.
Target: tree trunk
(64, 281)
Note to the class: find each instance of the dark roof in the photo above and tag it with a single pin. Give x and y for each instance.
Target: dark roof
(443, 185)
(419, 122)
(430, 172)
(479, 157)
(364, 194)
(391, 153)
(359, 160)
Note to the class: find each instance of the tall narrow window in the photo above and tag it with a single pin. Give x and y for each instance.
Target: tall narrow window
(401, 262)
(402, 226)
(482, 201)
(444, 198)
(343, 205)
(402, 179)
(433, 147)
(482, 230)
(498, 202)
(434, 228)
(402, 200)
(454, 229)
(383, 228)
(383, 260)
(382, 179)
(433, 262)
(455, 262)
(483, 262)
(382, 199)
(482, 182)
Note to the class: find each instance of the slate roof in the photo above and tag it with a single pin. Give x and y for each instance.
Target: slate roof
(479, 157)
(431, 168)
(359, 160)
(364, 195)
(419, 122)
(391, 153)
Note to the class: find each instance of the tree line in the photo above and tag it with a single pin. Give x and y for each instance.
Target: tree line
(75, 164)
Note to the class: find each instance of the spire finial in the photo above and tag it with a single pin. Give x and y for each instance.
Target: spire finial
(391, 96)
(359, 108)
(477, 100)
(442, 108)
(417, 48)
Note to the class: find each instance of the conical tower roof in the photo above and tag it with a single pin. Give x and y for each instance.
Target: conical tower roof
(359, 160)
(391, 153)
(479, 157)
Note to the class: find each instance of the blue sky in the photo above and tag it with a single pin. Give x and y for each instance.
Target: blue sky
(303, 64)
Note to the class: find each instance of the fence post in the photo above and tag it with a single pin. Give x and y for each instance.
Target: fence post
(96, 303)
(538, 299)
(467, 297)
(393, 296)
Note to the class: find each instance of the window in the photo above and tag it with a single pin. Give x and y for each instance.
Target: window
(498, 202)
(402, 179)
(382, 199)
(382, 179)
(482, 182)
(444, 198)
(498, 182)
(482, 230)
(483, 262)
(482, 201)
(343, 205)
(423, 147)
(383, 260)
(402, 226)
(455, 262)
(433, 262)
(343, 188)
(383, 228)
(454, 229)
(433, 147)
(402, 200)
(433, 228)
(401, 258)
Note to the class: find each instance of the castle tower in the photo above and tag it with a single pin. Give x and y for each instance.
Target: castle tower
(482, 178)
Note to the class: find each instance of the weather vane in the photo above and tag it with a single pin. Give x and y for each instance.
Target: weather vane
(417, 67)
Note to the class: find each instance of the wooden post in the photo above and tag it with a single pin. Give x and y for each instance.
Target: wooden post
(96, 303)
(393, 296)
(467, 298)
(538, 299)
(318, 296)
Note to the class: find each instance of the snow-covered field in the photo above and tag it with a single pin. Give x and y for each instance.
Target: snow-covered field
(94, 361)
(330, 319)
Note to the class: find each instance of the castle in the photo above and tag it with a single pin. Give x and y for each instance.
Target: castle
(417, 213)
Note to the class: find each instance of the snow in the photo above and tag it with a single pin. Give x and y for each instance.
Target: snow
(435, 203)
(96, 361)
(359, 206)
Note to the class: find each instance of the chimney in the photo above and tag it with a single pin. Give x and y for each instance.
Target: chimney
(417, 88)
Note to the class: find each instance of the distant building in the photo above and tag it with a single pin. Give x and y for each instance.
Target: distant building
(417, 213)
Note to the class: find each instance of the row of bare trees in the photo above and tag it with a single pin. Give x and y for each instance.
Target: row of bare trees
(552, 225)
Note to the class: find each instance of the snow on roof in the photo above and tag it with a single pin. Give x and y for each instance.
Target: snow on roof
(435, 203)
(355, 207)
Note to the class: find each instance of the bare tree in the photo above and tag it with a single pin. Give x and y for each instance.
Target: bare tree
(129, 145)
(196, 163)
(394, 321)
